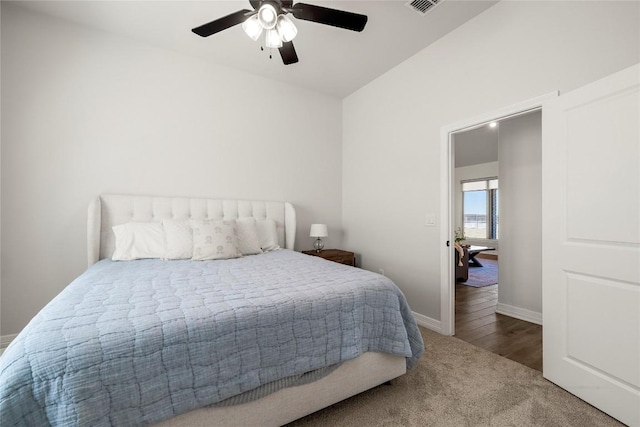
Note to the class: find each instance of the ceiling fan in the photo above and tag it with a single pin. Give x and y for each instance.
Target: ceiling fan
(271, 17)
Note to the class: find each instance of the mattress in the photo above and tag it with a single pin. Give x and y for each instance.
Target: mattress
(133, 343)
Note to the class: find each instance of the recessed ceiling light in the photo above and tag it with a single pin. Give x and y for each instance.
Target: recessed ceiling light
(493, 124)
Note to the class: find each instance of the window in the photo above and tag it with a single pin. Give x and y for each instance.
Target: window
(480, 218)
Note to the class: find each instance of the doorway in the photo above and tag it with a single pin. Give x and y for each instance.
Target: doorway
(447, 312)
(512, 310)
(483, 316)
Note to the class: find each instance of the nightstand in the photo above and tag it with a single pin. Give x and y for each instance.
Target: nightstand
(335, 255)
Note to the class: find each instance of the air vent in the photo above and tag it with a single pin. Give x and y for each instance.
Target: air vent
(421, 7)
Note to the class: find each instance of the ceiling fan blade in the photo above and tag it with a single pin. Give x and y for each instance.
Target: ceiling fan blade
(288, 53)
(324, 15)
(222, 24)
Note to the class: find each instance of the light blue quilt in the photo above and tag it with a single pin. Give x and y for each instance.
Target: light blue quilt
(132, 343)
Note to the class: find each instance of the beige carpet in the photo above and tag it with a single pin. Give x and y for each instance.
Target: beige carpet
(457, 384)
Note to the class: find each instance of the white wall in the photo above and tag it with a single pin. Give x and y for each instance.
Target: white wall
(520, 272)
(482, 170)
(391, 128)
(85, 113)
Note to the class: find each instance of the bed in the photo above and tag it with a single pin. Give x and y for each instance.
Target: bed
(259, 340)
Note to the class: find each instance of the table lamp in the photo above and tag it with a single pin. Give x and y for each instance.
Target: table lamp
(318, 231)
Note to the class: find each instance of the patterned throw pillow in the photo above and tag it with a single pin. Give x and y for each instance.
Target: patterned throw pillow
(179, 239)
(248, 240)
(213, 239)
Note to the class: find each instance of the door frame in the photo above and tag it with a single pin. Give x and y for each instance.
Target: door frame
(447, 210)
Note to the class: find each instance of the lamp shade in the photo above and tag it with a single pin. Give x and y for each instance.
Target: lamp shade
(286, 29)
(272, 39)
(318, 230)
(267, 16)
(252, 27)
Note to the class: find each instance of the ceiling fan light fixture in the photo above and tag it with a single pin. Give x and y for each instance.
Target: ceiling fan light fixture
(273, 18)
(252, 27)
(286, 29)
(272, 39)
(268, 16)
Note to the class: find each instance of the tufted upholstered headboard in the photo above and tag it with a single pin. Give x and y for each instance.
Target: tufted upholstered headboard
(109, 210)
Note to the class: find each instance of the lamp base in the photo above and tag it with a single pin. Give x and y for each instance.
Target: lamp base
(318, 245)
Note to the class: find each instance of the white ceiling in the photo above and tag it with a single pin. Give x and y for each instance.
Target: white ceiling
(476, 146)
(332, 61)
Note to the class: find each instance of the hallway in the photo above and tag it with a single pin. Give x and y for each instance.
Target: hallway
(478, 323)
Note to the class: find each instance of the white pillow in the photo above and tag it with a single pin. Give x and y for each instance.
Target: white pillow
(179, 239)
(267, 234)
(214, 240)
(136, 240)
(248, 240)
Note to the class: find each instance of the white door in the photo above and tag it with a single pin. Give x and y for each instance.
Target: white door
(591, 243)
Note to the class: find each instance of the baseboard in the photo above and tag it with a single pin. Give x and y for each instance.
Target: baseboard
(519, 313)
(5, 340)
(428, 322)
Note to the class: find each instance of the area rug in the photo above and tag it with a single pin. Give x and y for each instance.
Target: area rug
(483, 276)
(458, 384)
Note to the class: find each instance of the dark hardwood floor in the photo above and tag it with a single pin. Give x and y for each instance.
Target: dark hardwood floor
(478, 323)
